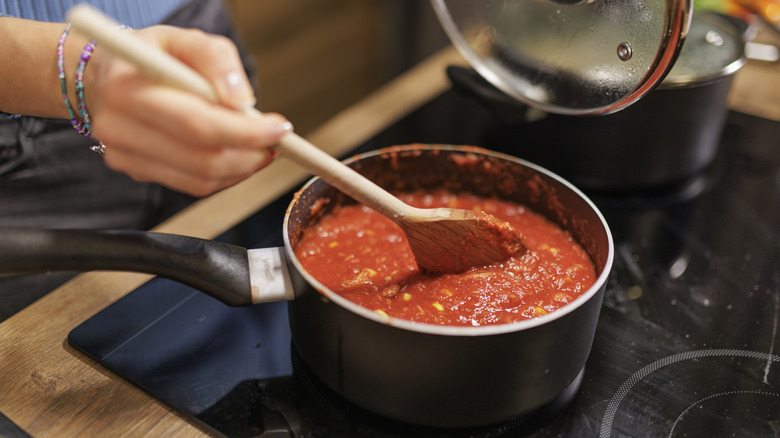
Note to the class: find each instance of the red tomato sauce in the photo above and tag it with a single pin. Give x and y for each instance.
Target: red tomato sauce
(364, 257)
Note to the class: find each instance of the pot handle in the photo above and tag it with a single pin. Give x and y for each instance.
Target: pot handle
(216, 268)
(504, 108)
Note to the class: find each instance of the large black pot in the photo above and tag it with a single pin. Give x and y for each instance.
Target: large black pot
(426, 374)
(666, 137)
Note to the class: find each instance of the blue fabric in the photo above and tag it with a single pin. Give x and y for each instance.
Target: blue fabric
(133, 13)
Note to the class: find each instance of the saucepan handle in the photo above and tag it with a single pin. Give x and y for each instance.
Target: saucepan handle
(216, 268)
(508, 110)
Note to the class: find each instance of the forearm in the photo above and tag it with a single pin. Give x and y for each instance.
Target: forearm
(29, 82)
(151, 131)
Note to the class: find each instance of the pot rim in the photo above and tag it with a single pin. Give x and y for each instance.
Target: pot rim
(447, 330)
(715, 22)
(694, 80)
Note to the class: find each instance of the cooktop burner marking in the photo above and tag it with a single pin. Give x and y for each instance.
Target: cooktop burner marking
(625, 388)
(152, 323)
(774, 326)
(671, 432)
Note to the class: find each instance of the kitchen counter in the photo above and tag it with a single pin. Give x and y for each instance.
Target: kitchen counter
(49, 389)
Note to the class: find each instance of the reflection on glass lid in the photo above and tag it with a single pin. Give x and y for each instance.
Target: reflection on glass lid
(568, 56)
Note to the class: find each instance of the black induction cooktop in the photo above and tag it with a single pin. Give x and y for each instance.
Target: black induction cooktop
(688, 342)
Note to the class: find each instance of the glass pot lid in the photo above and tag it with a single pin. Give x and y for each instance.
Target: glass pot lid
(569, 56)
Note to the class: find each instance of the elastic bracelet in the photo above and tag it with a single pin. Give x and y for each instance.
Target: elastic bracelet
(86, 54)
(76, 123)
(82, 104)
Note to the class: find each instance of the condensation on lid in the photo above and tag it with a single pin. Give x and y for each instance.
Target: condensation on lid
(568, 56)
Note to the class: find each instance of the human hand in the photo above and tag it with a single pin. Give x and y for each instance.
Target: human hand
(157, 133)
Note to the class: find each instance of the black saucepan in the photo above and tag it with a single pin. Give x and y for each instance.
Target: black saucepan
(666, 137)
(426, 374)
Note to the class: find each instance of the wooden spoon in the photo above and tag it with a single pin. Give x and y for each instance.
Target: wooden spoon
(443, 240)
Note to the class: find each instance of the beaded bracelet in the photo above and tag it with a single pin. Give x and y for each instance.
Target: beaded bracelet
(82, 105)
(86, 54)
(76, 123)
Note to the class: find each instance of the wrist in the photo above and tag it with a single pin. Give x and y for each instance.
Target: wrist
(28, 68)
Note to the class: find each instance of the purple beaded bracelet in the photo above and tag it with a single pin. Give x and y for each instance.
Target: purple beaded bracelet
(75, 122)
(86, 54)
(82, 105)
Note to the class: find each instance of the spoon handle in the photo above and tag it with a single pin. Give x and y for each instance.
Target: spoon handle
(164, 68)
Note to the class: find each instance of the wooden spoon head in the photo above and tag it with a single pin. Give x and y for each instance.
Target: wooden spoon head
(455, 240)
